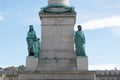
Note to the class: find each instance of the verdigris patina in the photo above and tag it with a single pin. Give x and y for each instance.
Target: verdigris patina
(57, 8)
(33, 42)
(80, 42)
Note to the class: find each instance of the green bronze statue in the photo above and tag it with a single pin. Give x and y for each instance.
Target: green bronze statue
(33, 42)
(80, 42)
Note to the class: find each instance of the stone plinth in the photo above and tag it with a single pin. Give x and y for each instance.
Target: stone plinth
(82, 63)
(31, 63)
(82, 75)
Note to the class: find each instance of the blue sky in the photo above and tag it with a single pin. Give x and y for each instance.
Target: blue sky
(100, 20)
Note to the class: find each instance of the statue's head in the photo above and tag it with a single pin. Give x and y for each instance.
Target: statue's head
(79, 27)
(31, 28)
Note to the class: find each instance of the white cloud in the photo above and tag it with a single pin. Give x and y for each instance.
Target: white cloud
(102, 23)
(1, 18)
(104, 67)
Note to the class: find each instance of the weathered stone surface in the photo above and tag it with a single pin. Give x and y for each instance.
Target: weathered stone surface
(57, 64)
(31, 63)
(57, 33)
(82, 63)
(74, 75)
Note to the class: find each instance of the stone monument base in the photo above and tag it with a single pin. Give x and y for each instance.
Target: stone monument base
(31, 63)
(74, 75)
(57, 64)
(82, 63)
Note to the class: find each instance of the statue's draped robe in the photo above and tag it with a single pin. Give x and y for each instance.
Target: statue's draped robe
(32, 43)
(80, 43)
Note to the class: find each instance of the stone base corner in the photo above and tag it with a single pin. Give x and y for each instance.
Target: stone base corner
(82, 63)
(31, 63)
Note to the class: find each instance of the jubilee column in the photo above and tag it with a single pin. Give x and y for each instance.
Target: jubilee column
(58, 60)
